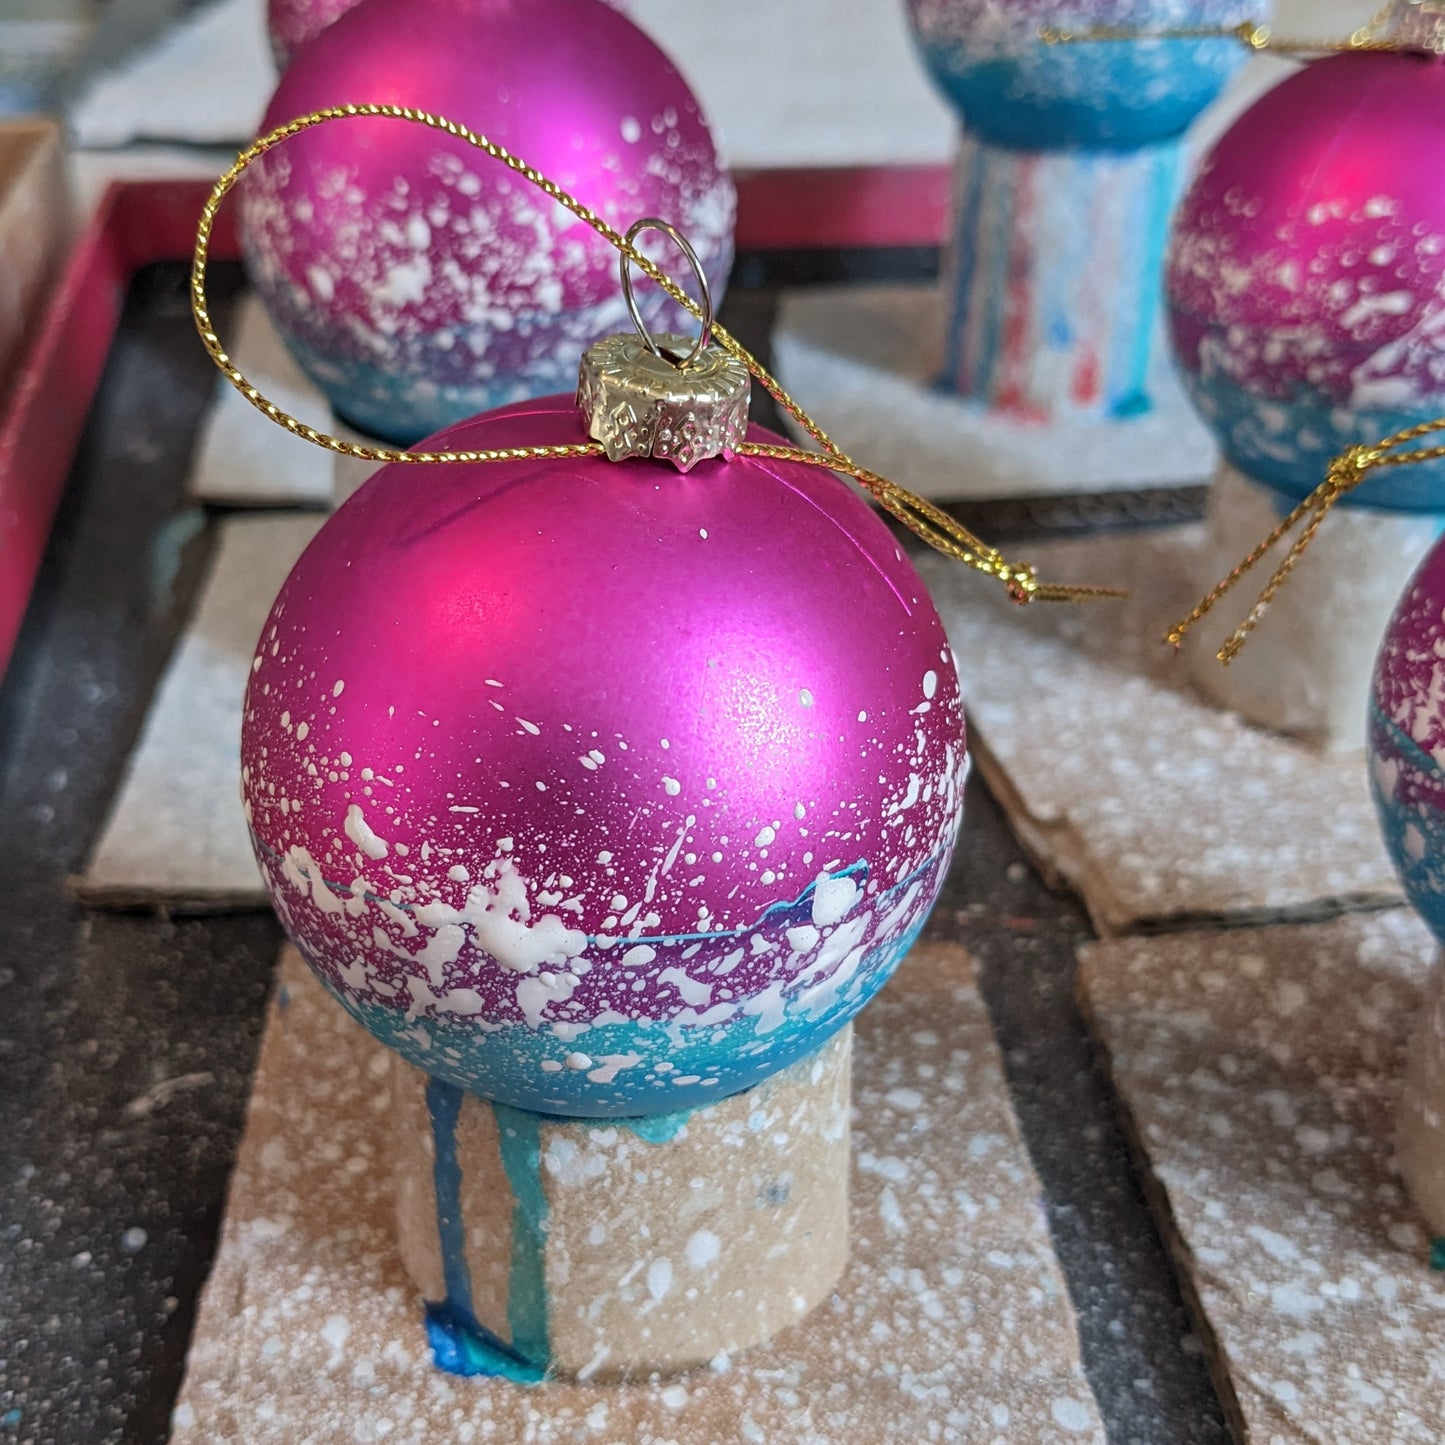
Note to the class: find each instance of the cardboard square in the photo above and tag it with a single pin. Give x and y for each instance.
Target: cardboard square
(1158, 807)
(952, 1322)
(242, 458)
(1260, 1071)
(176, 834)
(863, 361)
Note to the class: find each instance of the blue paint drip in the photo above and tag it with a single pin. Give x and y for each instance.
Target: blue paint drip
(460, 1343)
(657, 1128)
(979, 304)
(461, 1346)
(444, 1104)
(1056, 284)
(1161, 180)
(1002, 181)
(967, 240)
(520, 1135)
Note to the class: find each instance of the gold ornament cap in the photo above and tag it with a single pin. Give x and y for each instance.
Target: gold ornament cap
(672, 397)
(1417, 25)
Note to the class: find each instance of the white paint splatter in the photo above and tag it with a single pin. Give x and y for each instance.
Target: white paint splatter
(362, 835)
(832, 899)
(612, 1065)
(702, 1248)
(659, 1278)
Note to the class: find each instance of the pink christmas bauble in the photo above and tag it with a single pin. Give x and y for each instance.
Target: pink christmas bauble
(1406, 739)
(417, 280)
(595, 788)
(1306, 278)
(291, 23)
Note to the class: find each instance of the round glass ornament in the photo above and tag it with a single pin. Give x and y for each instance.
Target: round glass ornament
(419, 282)
(1306, 276)
(1013, 90)
(290, 24)
(596, 788)
(1406, 739)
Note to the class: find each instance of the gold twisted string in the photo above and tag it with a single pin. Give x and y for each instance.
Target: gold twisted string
(1367, 39)
(1345, 473)
(931, 523)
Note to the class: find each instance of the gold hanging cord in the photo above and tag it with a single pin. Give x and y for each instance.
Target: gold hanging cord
(1345, 473)
(931, 523)
(1370, 38)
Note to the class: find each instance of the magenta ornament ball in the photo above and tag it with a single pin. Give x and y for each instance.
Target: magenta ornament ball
(291, 23)
(1306, 276)
(1406, 739)
(417, 280)
(595, 788)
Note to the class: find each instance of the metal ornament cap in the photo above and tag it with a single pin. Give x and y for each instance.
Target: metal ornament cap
(1417, 24)
(672, 397)
(641, 403)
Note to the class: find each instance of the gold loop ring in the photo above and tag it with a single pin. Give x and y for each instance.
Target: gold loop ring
(624, 265)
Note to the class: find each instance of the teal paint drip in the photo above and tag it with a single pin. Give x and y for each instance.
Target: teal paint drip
(460, 1343)
(1437, 1254)
(1160, 189)
(965, 268)
(462, 1346)
(520, 1135)
(444, 1104)
(1002, 183)
(656, 1128)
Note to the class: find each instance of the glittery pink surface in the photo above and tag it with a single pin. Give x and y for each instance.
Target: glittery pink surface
(569, 746)
(420, 281)
(1409, 683)
(1311, 247)
(291, 23)
(1406, 739)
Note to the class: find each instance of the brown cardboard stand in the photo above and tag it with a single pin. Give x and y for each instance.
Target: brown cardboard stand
(1306, 670)
(951, 1322)
(654, 1259)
